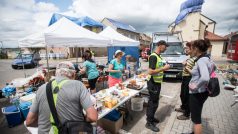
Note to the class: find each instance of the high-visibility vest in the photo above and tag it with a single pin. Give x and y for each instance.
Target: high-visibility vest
(158, 77)
(55, 95)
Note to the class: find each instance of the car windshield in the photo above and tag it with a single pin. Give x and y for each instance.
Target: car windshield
(24, 56)
(175, 48)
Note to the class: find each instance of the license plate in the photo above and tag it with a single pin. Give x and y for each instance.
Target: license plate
(171, 76)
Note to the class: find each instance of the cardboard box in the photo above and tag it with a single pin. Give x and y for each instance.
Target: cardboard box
(111, 126)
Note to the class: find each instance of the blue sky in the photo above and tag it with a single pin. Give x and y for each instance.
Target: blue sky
(61, 4)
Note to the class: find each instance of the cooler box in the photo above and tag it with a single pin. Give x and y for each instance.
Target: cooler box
(25, 107)
(13, 115)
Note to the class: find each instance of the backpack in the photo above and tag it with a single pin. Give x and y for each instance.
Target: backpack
(213, 86)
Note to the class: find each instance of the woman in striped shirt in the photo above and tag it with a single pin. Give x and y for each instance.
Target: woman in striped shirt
(186, 77)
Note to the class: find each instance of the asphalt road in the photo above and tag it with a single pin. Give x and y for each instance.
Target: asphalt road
(7, 74)
(169, 95)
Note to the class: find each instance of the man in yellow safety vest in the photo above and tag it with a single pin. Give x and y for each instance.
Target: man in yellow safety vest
(156, 72)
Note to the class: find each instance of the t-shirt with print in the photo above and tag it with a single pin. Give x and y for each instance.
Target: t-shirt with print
(116, 66)
(91, 70)
(69, 97)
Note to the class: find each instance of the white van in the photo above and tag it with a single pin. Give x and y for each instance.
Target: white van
(174, 55)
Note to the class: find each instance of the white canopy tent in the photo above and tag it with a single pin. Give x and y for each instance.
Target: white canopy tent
(67, 33)
(64, 33)
(36, 40)
(118, 39)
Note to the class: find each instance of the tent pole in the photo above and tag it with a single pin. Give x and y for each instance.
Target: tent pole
(47, 60)
(76, 55)
(23, 67)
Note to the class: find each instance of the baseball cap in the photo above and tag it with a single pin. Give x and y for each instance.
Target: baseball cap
(119, 51)
(65, 68)
(162, 42)
(66, 65)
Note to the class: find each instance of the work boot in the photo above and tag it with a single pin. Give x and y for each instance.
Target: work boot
(156, 120)
(183, 117)
(188, 133)
(152, 127)
(179, 110)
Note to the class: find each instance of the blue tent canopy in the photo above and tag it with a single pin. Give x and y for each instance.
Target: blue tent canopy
(187, 7)
(82, 21)
(190, 3)
(128, 50)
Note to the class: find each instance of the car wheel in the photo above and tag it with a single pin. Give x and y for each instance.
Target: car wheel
(14, 67)
(33, 65)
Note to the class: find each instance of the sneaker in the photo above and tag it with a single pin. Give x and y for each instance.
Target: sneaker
(156, 120)
(183, 117)
(179, 110)
(152, 127)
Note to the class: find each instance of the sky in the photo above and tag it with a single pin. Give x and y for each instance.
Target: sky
(20, 18)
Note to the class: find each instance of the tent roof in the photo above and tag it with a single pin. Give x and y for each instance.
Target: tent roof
(64, 33)
(117, 38)
(36, 40)
(67, 33)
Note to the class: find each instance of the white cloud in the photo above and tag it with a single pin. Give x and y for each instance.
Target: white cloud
(45, 7)
(143, 10)
(19, 18)
(153, 15)
(224, 12)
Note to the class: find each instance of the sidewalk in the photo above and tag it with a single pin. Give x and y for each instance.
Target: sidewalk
(218, 117)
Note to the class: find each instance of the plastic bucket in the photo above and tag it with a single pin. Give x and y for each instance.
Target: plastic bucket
(137, 104)
(25, 107)
(13, 115)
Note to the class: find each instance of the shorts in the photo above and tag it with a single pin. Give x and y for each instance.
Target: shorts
(113, 81)
(196, 102)
(92, 83)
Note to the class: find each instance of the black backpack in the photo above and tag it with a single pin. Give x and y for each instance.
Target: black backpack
(213, 86)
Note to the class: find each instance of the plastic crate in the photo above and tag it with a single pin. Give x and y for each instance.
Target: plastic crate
(25, 107)
(13, 115)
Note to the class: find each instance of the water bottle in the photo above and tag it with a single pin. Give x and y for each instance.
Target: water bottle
(134, 77)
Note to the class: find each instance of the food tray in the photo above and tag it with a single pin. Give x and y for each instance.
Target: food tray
(136, 87)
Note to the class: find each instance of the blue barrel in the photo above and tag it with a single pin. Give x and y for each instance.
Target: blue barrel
(25, 107)
(13, 115)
